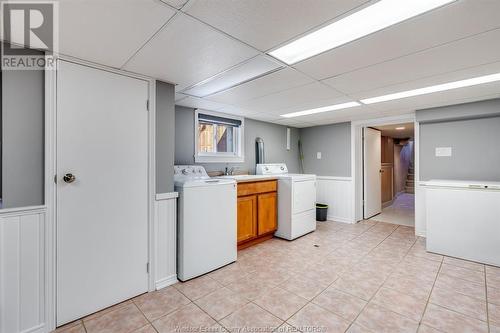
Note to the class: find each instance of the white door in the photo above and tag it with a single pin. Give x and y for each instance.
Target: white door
(102, 216)
(372, 156)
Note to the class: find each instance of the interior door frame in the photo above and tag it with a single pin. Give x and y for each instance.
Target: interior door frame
(50, 172)
(357, 163)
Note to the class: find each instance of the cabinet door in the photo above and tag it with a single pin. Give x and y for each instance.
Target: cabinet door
(247, 218)
(267, 213)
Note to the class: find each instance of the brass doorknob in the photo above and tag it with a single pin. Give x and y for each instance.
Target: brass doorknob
(69, 178)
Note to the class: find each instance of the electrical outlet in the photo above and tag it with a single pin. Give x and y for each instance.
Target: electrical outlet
(318, 155)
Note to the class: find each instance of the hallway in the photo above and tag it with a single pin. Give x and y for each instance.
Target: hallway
(401, 212)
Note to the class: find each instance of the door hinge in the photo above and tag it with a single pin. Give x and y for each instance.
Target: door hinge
(147, 105)
(55, 179)
(147, 267)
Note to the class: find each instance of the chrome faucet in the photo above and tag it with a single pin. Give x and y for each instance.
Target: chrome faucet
(229, 171)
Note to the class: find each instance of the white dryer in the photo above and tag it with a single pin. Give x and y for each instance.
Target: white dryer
(206, 228)
(296, 200)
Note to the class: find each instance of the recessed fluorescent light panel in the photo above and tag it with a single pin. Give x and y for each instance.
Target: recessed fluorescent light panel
(321, 109)
(400, 128)
(432, 89)
(247, 71)
(376, 17)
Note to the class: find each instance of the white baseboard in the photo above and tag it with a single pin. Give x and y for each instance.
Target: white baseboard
(420, 233)
(168, 281)
(37, 329)
(340, 219)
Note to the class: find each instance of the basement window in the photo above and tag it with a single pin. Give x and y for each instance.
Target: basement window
(219, 138)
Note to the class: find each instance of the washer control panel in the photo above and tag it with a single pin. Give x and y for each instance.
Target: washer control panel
(190, 171)
(271, 169)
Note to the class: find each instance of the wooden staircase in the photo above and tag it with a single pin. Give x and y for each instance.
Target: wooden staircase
(410, 180)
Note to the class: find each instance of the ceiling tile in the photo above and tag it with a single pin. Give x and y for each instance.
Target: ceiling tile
(265, 24)
(186, 52)
(465, 53)
(108, 32)
(295, 97)
(457, 20)
(450, 97)
(361, 113)
(179, 97)
(326, 116)
(199, 103)
(231, 109)
(278, 81)
(464, 98)
(312, 104)
(462, 74)
(264, 117)
(292, 123)
(247, 71)
(175, 3)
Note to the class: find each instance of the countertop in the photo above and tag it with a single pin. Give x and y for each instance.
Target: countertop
(249, 178)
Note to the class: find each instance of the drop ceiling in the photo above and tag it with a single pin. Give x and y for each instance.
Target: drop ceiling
(397, 131)
(188, 42)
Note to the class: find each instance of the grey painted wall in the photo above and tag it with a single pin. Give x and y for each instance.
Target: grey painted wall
(475, 150)
(334, 143)
(472, 130)
(482, 109)
(22, 138)
(274, 137)
(165, 137)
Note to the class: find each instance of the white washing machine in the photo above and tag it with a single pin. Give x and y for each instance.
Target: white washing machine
(296, 200)
(207, 221)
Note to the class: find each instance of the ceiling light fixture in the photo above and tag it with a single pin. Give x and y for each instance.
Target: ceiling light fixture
(247, 71)
(400, 128)
(376, 17)
(432, 89)
(321, 109)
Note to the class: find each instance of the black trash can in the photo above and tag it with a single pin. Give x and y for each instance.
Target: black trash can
(321, 212)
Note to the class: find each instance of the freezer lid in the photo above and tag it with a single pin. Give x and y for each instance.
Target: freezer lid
(470, 184)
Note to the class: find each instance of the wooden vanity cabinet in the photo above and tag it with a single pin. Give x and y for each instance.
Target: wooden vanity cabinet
(247, 218)
(267, 213)
(257, 212)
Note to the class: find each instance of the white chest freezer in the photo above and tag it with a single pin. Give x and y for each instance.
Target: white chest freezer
(463, 219)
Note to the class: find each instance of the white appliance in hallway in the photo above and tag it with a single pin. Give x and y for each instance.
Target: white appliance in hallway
(296, 200)
(372, 182)
(207, 221)
(463, 219)
(102, 189)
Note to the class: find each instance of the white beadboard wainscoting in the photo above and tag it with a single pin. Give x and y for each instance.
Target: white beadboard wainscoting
(420, 209)
(22, 270)
(165, 231)
(336, 192)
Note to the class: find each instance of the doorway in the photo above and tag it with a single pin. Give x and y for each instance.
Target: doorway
(101, 188)
(389, 173)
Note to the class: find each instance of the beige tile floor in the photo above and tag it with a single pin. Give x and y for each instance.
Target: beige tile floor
(367, 277)
(402, 211)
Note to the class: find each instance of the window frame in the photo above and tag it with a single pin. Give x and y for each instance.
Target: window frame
(219, 157)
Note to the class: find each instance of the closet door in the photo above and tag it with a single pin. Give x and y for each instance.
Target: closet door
(102, 189)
